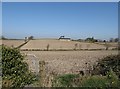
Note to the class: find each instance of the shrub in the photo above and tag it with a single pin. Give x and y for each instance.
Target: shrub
(113, 79)
(15, 72)
(104, 65)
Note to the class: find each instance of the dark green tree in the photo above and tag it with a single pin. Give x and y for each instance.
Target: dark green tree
(31, 38)
(91, 39)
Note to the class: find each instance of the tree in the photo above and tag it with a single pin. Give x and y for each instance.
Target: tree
(15, 71)
(31, 38)
(111, 40)
(104, 40)
(90, 39)
(26, 39)
(3, 38)
(116, 39)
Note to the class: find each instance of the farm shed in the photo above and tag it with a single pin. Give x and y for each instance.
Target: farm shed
(62, 38)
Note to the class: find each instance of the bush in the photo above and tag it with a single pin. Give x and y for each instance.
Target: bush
(15, 72)
(104, 65)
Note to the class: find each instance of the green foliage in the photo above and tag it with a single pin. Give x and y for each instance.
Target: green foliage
(91, 39)
(95, 81)
(15, 71)
(103, 82)
(104, 65)
(64, 80)
(113, 79)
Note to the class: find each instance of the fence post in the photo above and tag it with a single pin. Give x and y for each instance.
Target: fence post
(42, 73)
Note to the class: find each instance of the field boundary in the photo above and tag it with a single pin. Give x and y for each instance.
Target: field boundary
(22, 44)
(64, 49)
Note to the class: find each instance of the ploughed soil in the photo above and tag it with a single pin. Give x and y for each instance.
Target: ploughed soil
(63, 62)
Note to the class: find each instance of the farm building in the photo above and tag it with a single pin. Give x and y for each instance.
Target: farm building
(62, 38)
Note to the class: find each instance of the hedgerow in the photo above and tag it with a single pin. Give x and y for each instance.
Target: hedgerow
(15, 71)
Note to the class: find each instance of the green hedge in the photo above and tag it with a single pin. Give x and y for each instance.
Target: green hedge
(15, 72)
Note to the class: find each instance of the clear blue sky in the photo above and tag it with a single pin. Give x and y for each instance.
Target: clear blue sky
(51, 20)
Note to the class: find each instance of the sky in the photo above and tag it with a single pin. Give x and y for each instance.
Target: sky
(77, 20)
(60, 0)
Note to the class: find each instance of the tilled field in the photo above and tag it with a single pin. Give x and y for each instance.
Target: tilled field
(14, 43)
(62, 62)
(57, 44)
(42, 44)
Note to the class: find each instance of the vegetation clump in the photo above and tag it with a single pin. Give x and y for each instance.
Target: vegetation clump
(64, 80)
(94, 81)
(104, 65)
(102, 82)
(15, 73)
